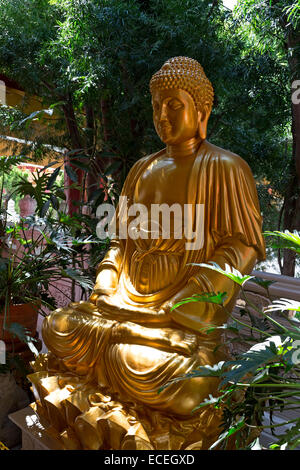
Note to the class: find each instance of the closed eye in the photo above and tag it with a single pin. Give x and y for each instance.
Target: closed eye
(175, 104)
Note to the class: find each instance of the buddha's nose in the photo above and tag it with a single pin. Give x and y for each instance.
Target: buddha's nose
(163, 114)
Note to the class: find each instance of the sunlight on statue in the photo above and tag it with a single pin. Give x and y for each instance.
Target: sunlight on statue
(98, 385)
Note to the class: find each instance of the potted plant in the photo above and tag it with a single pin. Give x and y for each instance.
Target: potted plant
(35, 253)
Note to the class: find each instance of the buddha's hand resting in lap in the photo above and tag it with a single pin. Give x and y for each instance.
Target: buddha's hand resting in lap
(113, 304)
(167, 339)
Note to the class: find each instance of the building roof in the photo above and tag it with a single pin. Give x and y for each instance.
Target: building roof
(10, 83)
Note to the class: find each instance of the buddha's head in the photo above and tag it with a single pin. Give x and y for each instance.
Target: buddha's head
(182, 98)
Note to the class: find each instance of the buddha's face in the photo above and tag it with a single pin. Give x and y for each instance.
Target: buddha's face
(175, 116)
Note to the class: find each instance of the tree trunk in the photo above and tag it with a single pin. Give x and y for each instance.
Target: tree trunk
(291, 219)
(296, 136)
(92, 176)
(105, 120)
(72, 194)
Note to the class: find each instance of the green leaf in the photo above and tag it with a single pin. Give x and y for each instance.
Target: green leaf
(256, 357)
(207, 401)
(282, 305)
(45, 208)
(74, 152)
(52, 178)
(204, 371)
(81, 280)
(113, 167)
(262, 282)
(71, 173)
(81, 165)
(60, 193)
(59, 103)
(107, 155)
(291, 240)
(16, 329)
(54, 201)
(35, 115)
(232, 430)
(209, 297)
(229, 272)
(96, 194)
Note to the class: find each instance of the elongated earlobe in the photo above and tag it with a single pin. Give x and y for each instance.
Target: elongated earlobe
(203, 120)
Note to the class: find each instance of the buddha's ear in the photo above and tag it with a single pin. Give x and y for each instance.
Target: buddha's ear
(203, 117)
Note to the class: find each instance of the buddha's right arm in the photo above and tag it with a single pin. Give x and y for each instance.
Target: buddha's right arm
(198, 315)
(108, 270)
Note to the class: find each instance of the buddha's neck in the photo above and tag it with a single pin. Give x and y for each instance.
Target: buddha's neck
(185, 149)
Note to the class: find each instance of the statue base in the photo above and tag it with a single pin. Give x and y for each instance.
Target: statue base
(84, 416)
(36, 432)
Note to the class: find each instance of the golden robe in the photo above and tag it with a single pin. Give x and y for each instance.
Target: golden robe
(99, 383)
(95, 343)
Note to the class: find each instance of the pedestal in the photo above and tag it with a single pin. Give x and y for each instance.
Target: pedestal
(34, 431)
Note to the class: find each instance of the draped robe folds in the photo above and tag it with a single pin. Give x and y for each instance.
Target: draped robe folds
(95, 343)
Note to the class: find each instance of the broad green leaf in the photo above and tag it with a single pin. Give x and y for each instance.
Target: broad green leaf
(82, 280)
(204, 371)
(291, 240)
(81, 165)
(74, 152)
(71, 173)
(209, 297)
(35, 115)
(45, 208)
(53, 177)
(107, 155)
(54, 201)
(257, 356)
(229, 272)
(232, 430)
(23, 334)
(262, 282)
(283, 305)
(113, 167)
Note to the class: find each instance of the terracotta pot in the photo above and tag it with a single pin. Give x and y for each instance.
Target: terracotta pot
(27, 206)
(25, 314)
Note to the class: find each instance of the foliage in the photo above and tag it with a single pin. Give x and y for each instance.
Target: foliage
(10, 182)
(91, 65)
(265, 378)
(229, 272)
(206, 297)
(6, 163)
(38, 251)
(32, 263)
(273, 28)
(91, 62)
(291, 240)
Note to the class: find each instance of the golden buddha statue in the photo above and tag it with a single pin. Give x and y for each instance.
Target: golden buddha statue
(98, 385)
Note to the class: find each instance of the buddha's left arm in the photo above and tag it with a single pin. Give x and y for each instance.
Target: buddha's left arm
(195, 315)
